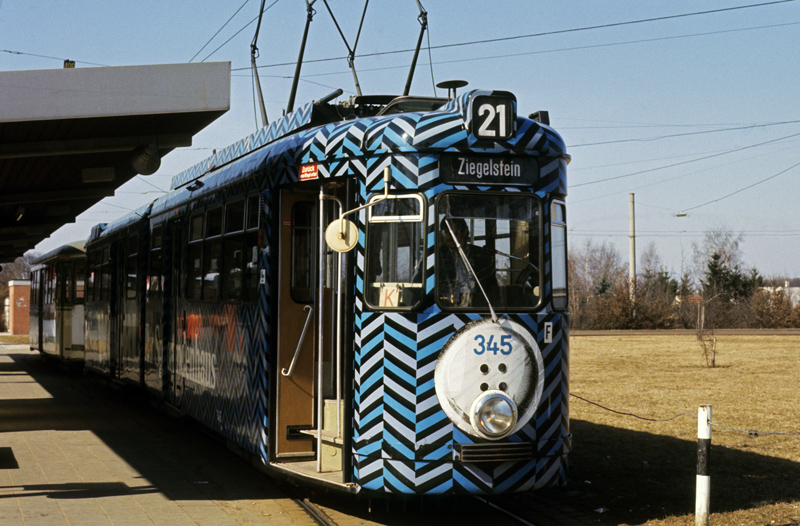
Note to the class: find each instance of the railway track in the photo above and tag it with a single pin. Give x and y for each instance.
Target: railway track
(519, 510)
(315, 512)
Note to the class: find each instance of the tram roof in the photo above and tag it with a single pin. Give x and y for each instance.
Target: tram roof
(316, 133)
(68, 251)
(68, 136)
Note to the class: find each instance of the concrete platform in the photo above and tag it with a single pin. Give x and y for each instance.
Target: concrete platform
(73, 452)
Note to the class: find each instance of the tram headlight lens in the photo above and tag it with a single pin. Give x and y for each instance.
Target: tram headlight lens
(493, 414)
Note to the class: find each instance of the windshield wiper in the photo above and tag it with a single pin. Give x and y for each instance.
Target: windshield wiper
(523, 277)
(469, 267)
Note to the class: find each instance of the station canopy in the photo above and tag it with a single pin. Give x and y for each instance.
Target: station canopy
(70, 137)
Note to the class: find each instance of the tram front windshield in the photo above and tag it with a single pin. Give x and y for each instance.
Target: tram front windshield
(488, 252)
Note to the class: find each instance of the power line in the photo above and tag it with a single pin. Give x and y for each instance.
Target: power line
(743, 189)
(576, 48)
(248, 25)
(683, 162)
(592, 46)
(545, 33)
(653, 159)
(12, 52)
(660, 235)
(687, 134)
(141, 178)
(669, 180)
(692, 232)
(220, 29)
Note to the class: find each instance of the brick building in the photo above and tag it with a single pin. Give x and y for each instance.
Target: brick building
(19, 294)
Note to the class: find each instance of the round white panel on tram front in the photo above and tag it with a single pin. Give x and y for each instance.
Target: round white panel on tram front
(484, 357)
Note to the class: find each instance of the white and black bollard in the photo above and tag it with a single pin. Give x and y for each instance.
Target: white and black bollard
(703, 496)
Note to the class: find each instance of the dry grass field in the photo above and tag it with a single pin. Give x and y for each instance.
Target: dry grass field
(643, 472)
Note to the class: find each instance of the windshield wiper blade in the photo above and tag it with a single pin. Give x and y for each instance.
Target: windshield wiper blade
(526, 273)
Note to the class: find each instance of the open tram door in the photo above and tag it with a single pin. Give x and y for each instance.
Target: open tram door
(309, 408)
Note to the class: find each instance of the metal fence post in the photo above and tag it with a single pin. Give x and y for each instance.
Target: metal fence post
(702, 497)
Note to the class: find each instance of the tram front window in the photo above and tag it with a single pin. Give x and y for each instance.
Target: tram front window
(488, 242)
(395, 252)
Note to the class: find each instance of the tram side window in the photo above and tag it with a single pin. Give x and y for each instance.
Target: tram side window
(50, 285)
(194, 283)
(97, 257)
(395, 257)
(212, 255)
(34, 289)
(131, 266)
(234, 245)
(154, 279)
(90, 275)
(65, 270)
(80, 276)
(499, 239)
(251, 251)
(105, 274)
(558, 231)
(37, 284)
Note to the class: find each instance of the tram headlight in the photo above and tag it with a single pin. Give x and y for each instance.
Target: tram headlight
(493, 414)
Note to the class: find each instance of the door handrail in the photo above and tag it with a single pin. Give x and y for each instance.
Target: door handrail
(309, 309)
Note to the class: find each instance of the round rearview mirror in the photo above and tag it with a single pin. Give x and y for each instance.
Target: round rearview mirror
(342, 235)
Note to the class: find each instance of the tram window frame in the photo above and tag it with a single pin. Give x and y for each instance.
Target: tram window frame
(105, 274)
(394, 294)
(302, 259)
(65, 270)
(79, 276)
(214, 235)
(212, 255)
(32, 279)
(252, 244)
(132, 266)
(50, 289)
(253, 212)
(233, 251)
(97, 257)
(90, 276)
(155, 270)
(558, 255)
(194, 258)
(506, 293)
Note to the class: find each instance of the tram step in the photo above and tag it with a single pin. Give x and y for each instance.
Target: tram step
(329, 417)
(332, 445)
(332, 448)
(327, 437)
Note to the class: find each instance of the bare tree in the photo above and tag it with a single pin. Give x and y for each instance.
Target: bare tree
(594, 270)
(772, 308)
(722, 241)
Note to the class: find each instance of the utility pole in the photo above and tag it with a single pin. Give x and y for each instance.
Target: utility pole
(632, 249)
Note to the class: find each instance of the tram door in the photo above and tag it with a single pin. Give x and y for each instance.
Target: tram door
(63, 308)
(301, 329)
(125, 347)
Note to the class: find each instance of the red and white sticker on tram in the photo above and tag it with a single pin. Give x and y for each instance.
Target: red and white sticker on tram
(309, 172)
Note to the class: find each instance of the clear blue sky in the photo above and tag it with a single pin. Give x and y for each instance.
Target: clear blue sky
(686, 112)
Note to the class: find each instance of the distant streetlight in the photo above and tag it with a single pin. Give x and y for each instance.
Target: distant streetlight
(680, 214)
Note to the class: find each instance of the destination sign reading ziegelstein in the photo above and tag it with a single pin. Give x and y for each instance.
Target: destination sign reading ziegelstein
(482, 170)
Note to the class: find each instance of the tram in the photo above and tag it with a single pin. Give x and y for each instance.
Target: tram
(368, 295)
(57, 302)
